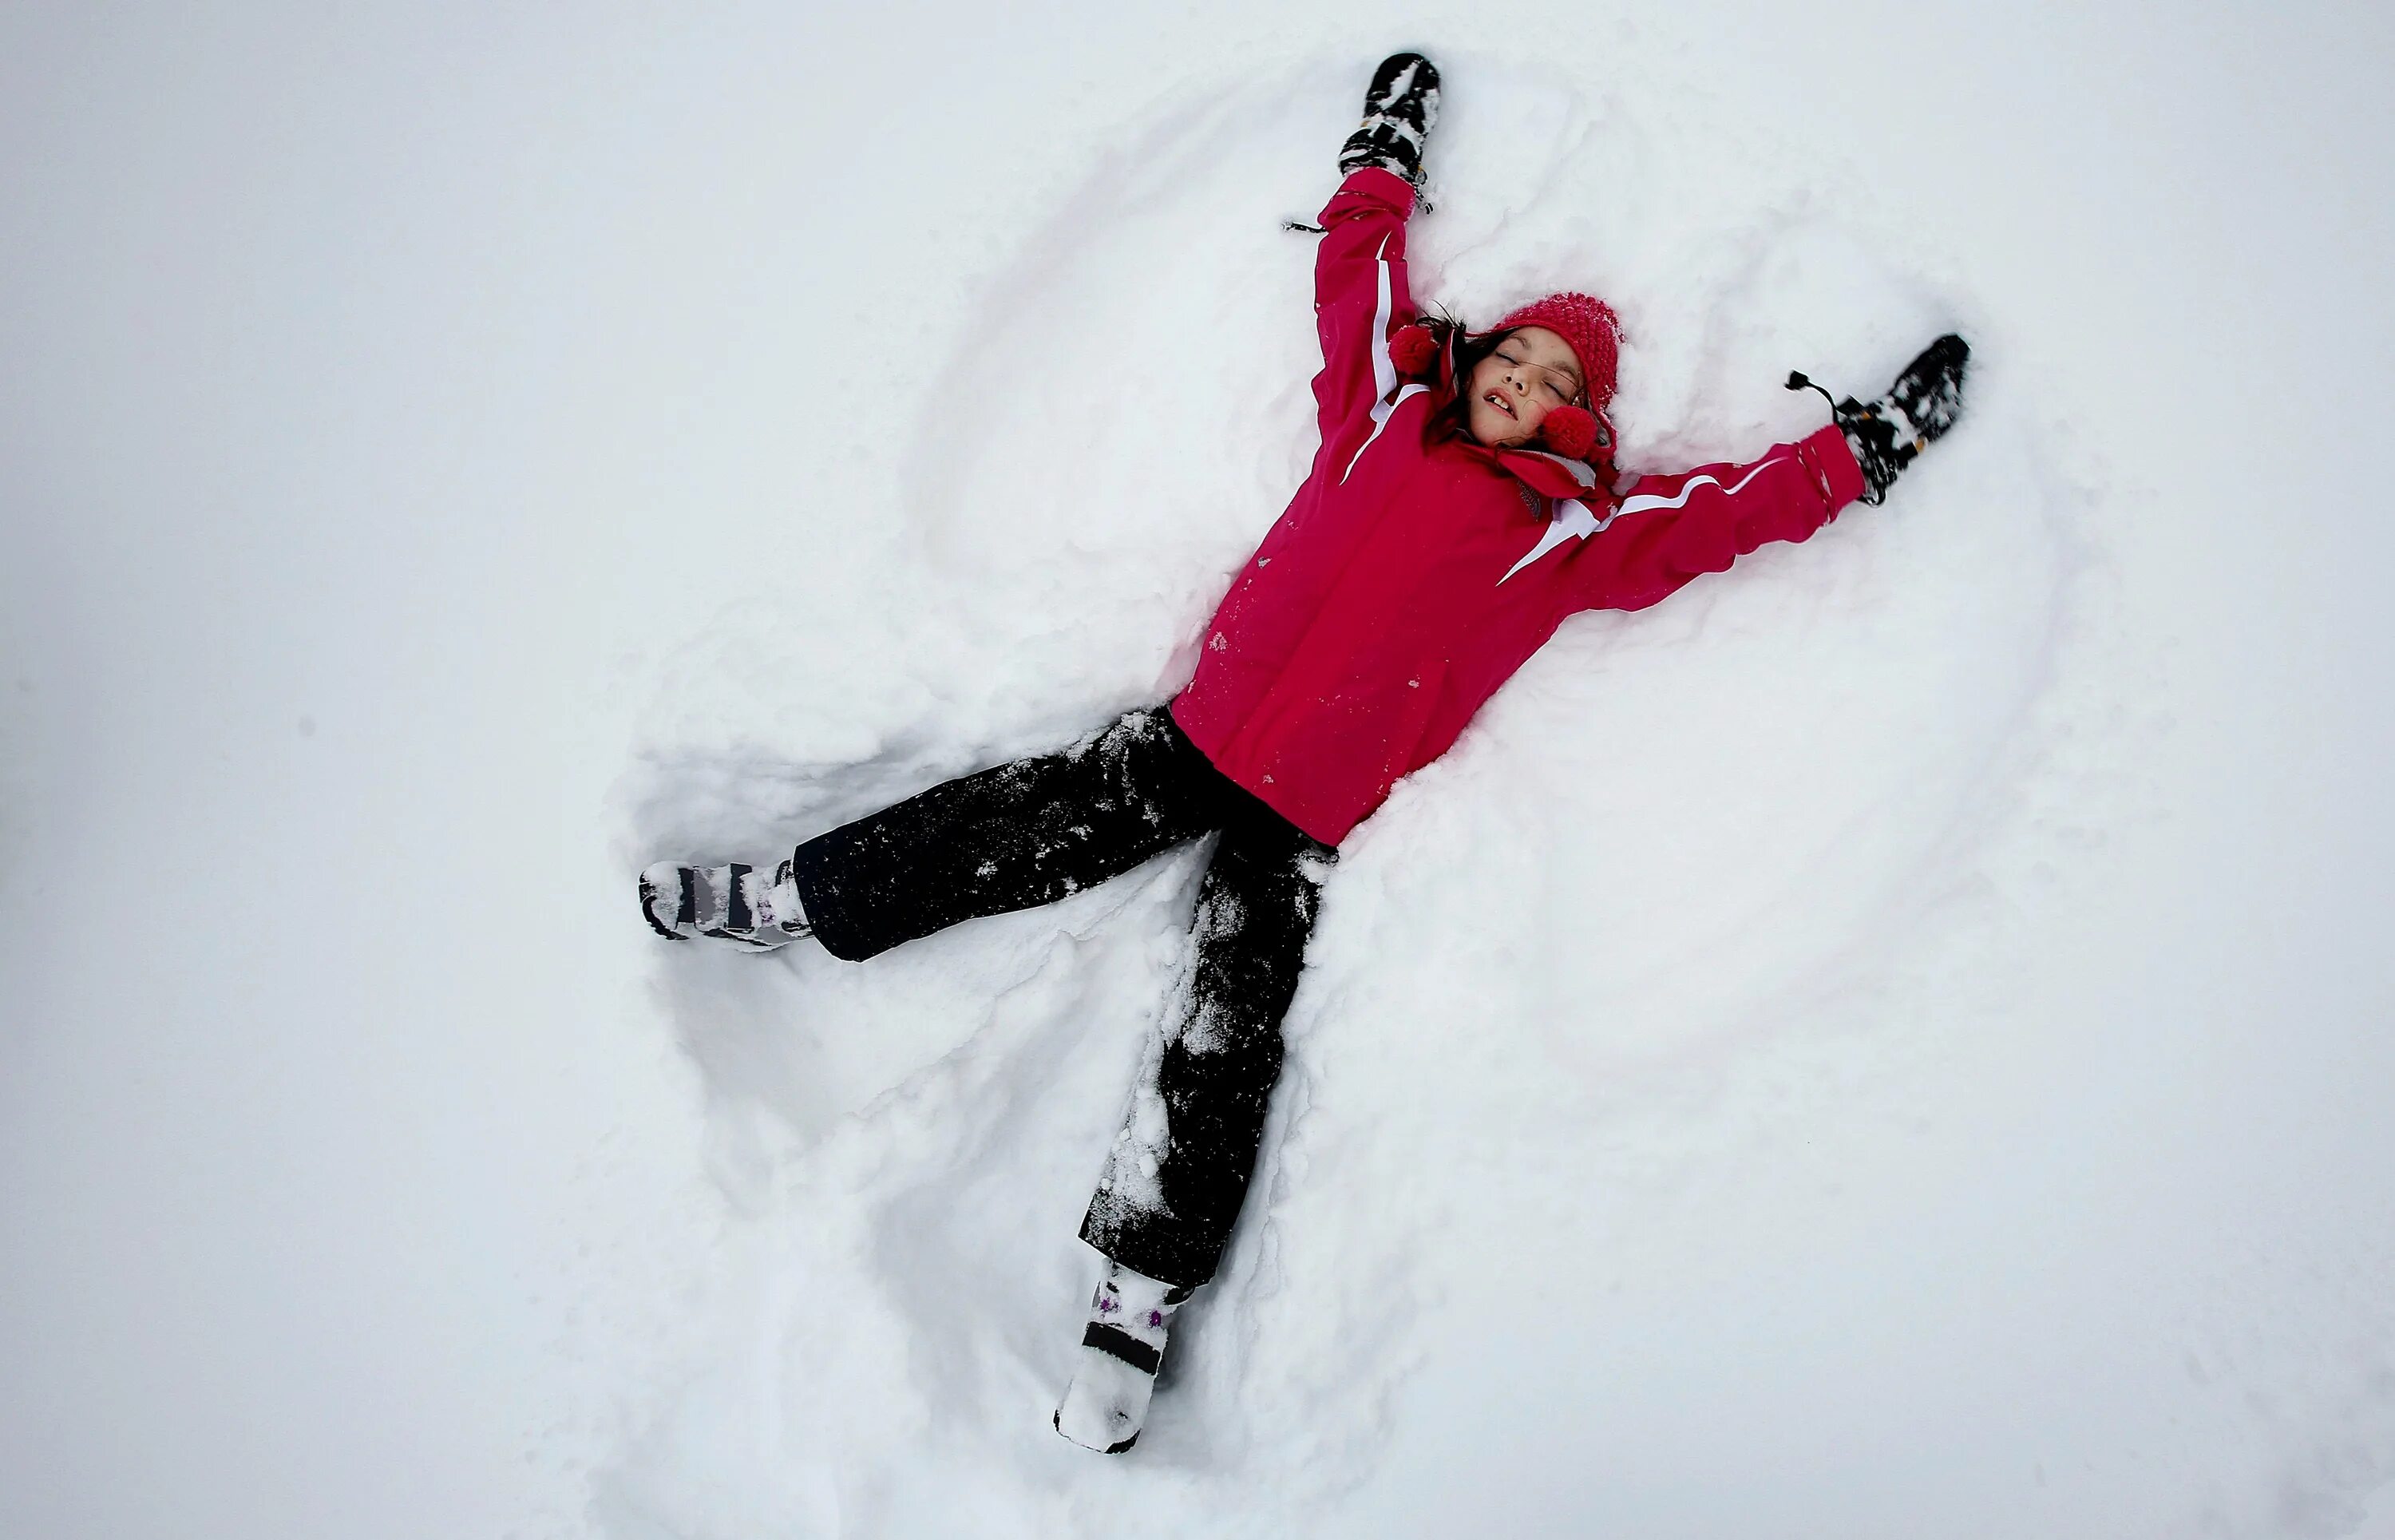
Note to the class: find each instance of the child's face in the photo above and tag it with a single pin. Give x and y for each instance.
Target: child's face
(1512, 391)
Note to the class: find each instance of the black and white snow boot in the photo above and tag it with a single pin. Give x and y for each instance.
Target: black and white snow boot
(1885, 434)
(1121, 1348)
(1399, 108)
(735, 904)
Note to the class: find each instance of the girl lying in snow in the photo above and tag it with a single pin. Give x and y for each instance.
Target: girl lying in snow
(1461, 503)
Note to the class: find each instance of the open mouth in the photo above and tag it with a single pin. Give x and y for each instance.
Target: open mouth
(1501, 405)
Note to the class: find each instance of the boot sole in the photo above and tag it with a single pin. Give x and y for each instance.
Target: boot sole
(1056, 1421)
(686, 907)
(686, 913)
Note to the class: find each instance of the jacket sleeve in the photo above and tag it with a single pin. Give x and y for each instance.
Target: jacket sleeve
(1668, 529)
(1360, 294)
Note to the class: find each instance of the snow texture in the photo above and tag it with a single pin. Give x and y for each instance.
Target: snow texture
(1890, 1042)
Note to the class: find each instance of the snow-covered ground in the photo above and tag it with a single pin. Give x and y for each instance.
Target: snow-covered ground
(1894, 1042)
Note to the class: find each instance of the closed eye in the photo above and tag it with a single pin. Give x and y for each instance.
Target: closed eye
(1546, 376)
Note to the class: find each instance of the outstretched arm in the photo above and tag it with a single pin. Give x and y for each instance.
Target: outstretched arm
(1668, 529)
(1359, 269)
(1360, 294)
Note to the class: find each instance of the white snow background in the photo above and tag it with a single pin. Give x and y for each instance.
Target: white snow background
(1893, 1042)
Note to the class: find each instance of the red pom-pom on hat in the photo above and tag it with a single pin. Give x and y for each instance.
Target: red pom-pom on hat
(1569, 432)
(1413, 349)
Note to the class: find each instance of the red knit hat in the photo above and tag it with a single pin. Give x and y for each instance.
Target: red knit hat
(1586, 322)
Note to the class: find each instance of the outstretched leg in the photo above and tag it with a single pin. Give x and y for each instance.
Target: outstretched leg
(1179, 1168)
(1178, 1171)
(1009, 838)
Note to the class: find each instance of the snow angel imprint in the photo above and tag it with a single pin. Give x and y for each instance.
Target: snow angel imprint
(1462, 502)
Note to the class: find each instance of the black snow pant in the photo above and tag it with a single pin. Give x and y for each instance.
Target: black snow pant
(1042, 829)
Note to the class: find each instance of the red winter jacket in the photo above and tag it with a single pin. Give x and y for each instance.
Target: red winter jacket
(1406, 581)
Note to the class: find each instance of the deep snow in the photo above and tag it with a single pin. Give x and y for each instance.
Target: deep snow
(1890, 1042)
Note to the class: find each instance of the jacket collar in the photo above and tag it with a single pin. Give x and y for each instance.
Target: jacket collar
(1550, 475)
